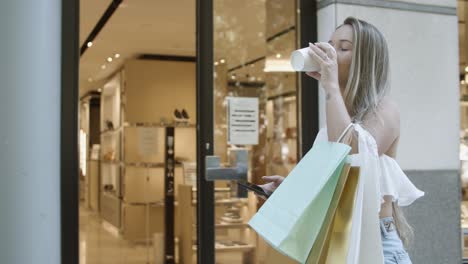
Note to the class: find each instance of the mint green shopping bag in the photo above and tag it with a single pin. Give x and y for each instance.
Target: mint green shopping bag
(291, 219)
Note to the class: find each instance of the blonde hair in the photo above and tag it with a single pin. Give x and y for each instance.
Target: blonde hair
(368, 80)
(368, 83)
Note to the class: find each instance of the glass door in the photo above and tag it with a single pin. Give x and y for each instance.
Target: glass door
(249, 118)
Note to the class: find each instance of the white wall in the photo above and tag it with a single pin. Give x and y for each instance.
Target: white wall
(154, 89)
(424, 68)
(30, 131)
(444, 3)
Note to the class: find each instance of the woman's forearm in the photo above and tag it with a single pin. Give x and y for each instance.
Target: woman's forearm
(337, 115)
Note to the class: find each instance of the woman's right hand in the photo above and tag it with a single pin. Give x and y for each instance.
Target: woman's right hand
(272, 183)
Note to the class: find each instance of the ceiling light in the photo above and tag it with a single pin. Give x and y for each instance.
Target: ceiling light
(216, 63)
(99, 90)
(233, 77)
(222, 61)
(109, 59)
(278, 56)
(117, 55)
(103, 67)
(466, 69)
(90, 44)
(90, 79)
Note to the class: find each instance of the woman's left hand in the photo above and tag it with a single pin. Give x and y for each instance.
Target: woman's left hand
(325, 55)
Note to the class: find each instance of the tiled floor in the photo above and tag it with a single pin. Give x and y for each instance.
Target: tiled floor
(100, 243)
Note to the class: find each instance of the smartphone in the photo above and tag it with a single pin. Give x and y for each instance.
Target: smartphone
(254, 188)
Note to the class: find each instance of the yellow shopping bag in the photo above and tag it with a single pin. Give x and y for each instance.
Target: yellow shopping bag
(331, 246)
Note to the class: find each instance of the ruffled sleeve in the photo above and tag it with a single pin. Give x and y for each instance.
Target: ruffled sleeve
(390, 178)
(392, 181)
(395, 183)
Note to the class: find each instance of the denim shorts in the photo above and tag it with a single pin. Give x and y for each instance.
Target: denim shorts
(394, 252)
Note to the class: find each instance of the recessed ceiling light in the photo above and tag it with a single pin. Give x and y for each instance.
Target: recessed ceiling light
(90, 44)
(222, 61)
(278, 56)
(117, 55)
(109, 59)
(466, 69)
(103, 67)
(90, 79)
(233, 77)
(216, 63)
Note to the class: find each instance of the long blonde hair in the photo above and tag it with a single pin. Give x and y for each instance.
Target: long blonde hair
(368, 80)
(368, 83)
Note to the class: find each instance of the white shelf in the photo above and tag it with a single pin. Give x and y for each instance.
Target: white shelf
(149, 164)
(227, 201)
(109, 194)
(151, 204)
(112, 162)
(245, 248)
(111, 131)
(230, 226)
(189, 125)
(239, 225)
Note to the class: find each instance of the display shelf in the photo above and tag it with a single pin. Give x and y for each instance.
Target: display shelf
(227, 201)
(109, 194)
(149, 164)
(111, 162)
(161, 204)
(228, 226)
(110, 208)
(233, 238)
(216, 189)
(161, 125)
(240, 225)
(243, 248)
(111, 131)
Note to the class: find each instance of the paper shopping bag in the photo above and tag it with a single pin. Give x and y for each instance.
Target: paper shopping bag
(291, 219)
(333, 248)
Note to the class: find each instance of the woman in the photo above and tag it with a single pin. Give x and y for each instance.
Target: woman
(355, 76)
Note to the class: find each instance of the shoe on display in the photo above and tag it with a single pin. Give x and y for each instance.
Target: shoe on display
(177, 114)
(110, 125)
(185, 114)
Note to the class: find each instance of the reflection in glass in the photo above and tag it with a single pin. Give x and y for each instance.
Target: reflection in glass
(253, 41)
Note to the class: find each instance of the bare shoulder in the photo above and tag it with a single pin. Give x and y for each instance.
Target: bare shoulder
(390, 112)
(384, 125)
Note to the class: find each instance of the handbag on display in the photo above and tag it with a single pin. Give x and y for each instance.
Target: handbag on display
(316, 214)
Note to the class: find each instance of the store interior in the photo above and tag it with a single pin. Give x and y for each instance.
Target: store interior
(138, 125)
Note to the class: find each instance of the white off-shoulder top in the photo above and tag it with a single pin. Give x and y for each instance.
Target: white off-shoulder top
(392, 180)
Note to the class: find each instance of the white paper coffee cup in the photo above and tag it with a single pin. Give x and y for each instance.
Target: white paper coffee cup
(301, 61)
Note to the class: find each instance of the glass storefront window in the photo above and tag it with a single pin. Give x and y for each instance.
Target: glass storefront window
(253, 41)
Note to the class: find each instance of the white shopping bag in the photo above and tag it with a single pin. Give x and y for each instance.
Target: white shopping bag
(366, 241)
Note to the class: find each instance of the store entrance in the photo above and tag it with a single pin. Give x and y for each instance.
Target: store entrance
(156, 110)
(257, 117)
(254, 124)
(137, 129)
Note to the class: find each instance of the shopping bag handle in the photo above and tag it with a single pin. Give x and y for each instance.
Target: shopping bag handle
(345, 132)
